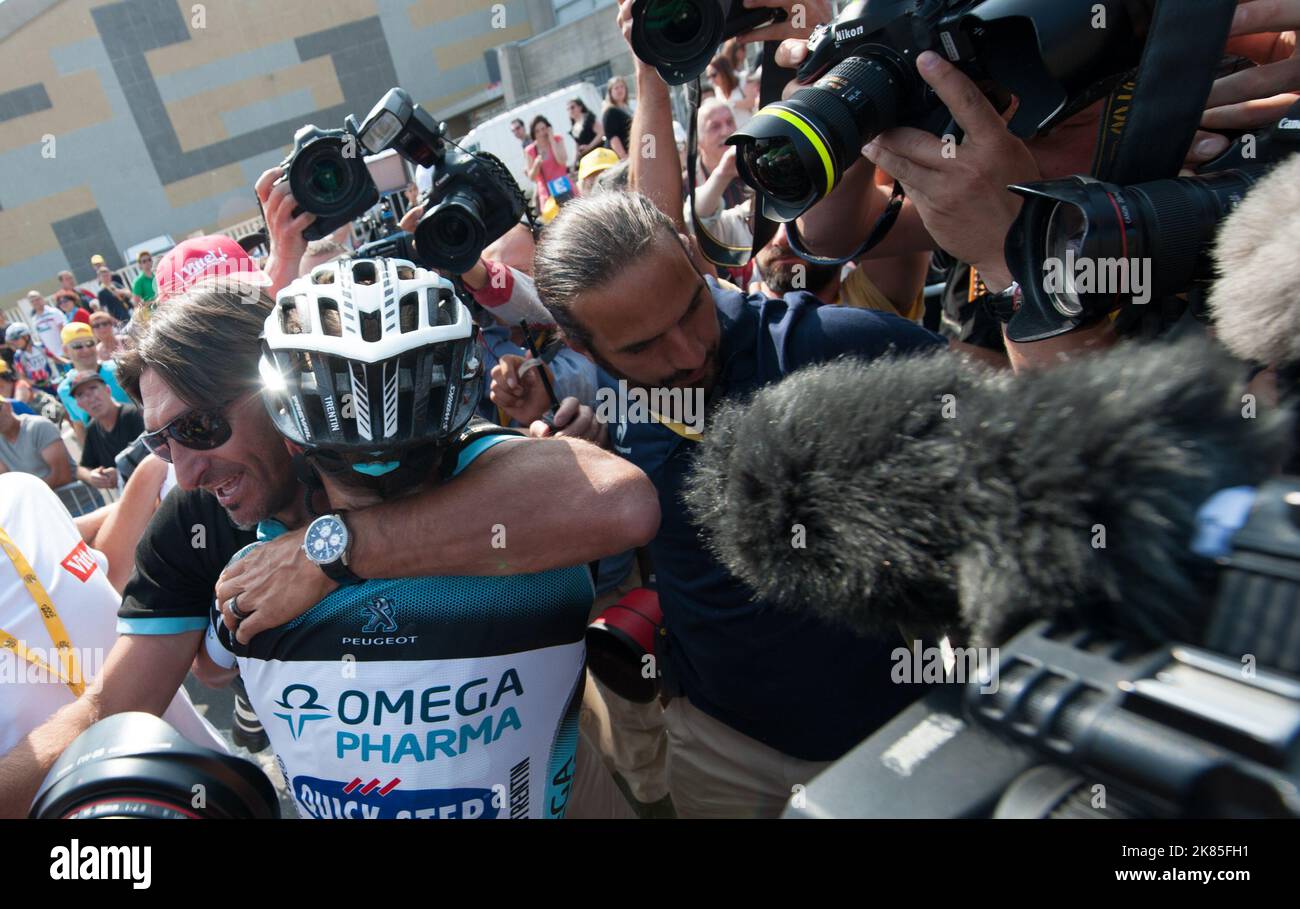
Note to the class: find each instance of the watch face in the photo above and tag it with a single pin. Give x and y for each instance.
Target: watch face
(326, 540)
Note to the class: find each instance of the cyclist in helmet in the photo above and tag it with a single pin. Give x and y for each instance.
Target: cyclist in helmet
(31, 360)
(434, 697)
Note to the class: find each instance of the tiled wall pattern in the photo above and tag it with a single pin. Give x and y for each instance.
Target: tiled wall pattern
(121, 121)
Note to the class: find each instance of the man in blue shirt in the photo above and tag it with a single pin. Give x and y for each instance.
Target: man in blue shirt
(762, 699)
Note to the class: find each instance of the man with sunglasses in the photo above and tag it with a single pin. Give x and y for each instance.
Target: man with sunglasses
(79, 346)
(194, 369)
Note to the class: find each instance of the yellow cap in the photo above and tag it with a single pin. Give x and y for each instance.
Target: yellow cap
(76, 331)
(596, 160)
(550, 209)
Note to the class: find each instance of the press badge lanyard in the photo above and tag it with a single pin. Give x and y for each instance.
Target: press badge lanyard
(71, 668)
(681, 429)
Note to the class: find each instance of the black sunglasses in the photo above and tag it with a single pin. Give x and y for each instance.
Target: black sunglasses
(198, 430)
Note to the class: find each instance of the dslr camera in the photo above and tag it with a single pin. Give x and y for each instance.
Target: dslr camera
(473, 201)
(679, 37)
(1045, 52)
(1078, 247)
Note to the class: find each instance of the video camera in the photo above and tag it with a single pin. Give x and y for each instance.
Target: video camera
(1048, 53)
(473, 201)
(1076, 724)
(1166, 225)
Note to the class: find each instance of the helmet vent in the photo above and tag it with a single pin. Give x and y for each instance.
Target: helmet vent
(405, 273)
(363, 272)
(330, 323)
(408, 312)
(370, 330)
(442, 306)
(323, 275)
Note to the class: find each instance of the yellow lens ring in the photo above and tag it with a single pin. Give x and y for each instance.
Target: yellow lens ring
(810, 134)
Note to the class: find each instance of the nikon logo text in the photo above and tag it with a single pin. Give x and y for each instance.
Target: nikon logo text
(75, 862)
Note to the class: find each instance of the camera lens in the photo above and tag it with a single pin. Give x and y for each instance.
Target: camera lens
(328, 180)
(134, 765)
(675, 28)
(1067, 232)
(451, 236)
(776, 167)
(678, 37)
(793, 152)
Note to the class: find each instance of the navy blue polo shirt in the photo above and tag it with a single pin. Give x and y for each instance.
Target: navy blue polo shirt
(786, 678)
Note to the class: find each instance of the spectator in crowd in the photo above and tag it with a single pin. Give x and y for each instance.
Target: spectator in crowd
(585, 129)
(69, 303)
(761, 698)
(113, 299)
(27, 399)
(107, 343)
(97, 262)
(114, 426)
(79, 342)
(869, 286)
(32, 444)
(143, 287)
(68, 282)
(216, 255)
(520, 132)
(546, 159)
(48, 322)
(31, 361)
(592, 165)
(727, 89)
(616, 116)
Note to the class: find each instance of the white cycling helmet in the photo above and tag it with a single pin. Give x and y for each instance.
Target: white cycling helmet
(370, 357)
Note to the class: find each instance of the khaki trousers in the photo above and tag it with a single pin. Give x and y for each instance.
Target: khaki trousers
(716, 772)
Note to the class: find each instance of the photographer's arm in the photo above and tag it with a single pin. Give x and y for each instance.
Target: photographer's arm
(655, 170)
(584, 504)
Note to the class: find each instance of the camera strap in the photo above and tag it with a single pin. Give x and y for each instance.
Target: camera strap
(877, 233)
(762, 229)
(1151, 117)
(69, 672)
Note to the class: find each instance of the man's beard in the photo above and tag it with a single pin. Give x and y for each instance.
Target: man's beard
(781, 276)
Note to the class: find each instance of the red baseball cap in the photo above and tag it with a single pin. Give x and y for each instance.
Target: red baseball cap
(201, 257)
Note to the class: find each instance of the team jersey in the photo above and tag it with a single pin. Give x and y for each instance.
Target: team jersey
(433, 697)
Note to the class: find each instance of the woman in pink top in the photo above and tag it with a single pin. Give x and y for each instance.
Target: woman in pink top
(546, 158)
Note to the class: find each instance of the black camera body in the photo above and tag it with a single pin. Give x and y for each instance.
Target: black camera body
(679, 37)
(1076, 723)
(1045, 52)
(473, 201)
(1081, 248)
(328, 177)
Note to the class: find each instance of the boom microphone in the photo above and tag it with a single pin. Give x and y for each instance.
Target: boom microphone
(930, 494)
(1256, 299)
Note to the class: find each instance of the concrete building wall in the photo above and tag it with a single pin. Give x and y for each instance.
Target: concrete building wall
(124, 120)
(552, 59)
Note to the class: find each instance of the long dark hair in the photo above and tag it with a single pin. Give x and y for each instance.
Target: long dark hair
(532, 127)
(585, 111)
(723, 67)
